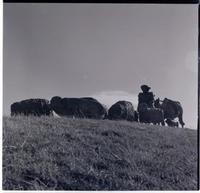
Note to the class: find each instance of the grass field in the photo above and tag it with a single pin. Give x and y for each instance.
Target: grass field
(51, 153)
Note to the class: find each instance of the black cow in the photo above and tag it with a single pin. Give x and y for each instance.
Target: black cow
(36, 107)
(172, 109)
(85, 107)
(150, 115)
(122, 110)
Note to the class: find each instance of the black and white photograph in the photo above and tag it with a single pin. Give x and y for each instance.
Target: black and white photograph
(100, 96)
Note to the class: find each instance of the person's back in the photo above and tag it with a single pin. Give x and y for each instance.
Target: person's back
(146, 96)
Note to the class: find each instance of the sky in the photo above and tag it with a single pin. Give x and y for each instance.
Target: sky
(103, 51)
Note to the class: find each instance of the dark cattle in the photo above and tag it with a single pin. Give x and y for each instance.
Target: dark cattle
(86, 107)
(171, 123)
(36, 107)
(122, 110)
(136, 116)
(150, 115)
(172, 109)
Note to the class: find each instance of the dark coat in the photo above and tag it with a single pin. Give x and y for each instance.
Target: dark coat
(147, 98)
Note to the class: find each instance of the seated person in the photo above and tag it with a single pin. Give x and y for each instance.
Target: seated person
(146, 96)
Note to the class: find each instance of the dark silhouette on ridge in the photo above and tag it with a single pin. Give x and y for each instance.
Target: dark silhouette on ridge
(172, 109)
(36, 107)
(122, 110)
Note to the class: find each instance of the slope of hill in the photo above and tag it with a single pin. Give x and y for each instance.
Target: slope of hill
(51, 153)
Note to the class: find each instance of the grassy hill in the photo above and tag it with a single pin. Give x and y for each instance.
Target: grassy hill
(51, 153)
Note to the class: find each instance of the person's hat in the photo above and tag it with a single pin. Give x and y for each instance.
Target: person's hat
(145, 87)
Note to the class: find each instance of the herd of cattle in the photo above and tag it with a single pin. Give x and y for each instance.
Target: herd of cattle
(88, 107)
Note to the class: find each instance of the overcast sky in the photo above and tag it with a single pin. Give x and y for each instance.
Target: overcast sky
(104, 51)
